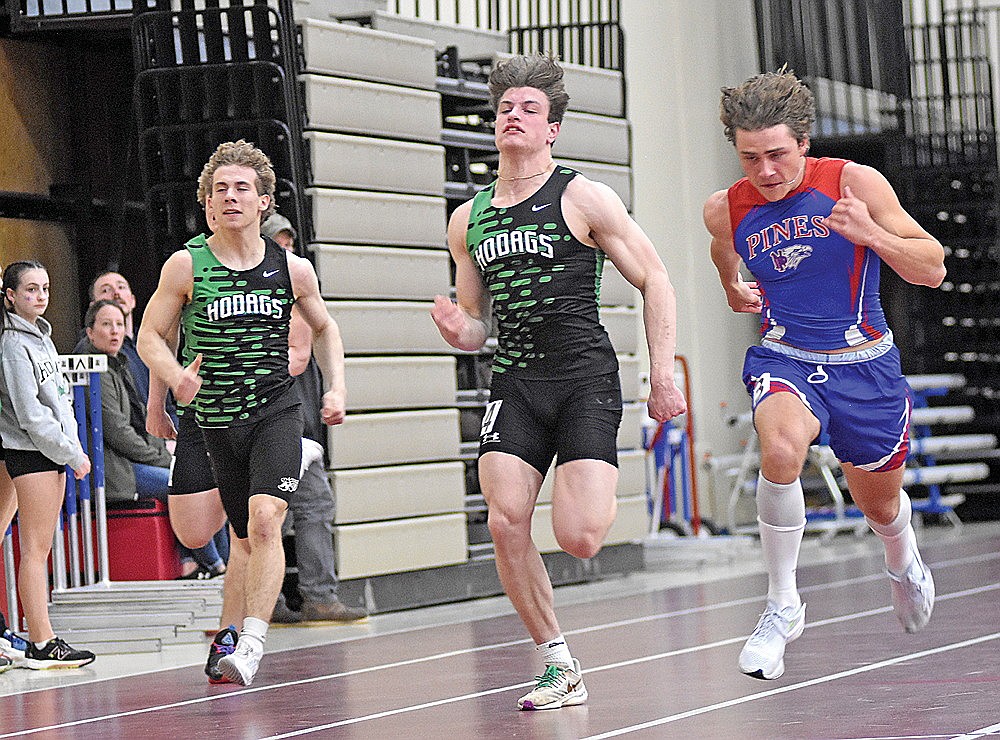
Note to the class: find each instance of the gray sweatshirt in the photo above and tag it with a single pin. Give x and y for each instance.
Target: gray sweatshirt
(36, 404)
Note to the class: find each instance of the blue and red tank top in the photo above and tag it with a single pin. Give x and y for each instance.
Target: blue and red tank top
(819, 291)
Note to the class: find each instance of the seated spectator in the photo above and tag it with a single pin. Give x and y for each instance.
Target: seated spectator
(136, 464)
(112, 286)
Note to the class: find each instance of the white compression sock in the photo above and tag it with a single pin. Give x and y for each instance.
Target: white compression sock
(555, 652)
(255, 628)
(898, 537)
(781, 514)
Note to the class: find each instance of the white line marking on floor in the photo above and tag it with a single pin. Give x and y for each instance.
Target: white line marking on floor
(795, 686)
(464, 651)
(981, 732)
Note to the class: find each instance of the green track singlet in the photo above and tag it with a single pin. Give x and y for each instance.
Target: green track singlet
(544, 284)
(238, 321)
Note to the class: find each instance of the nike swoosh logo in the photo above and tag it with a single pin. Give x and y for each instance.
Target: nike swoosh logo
(269, 273)
(538, 208)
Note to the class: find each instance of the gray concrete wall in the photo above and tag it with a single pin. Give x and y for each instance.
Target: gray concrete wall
(678, 55)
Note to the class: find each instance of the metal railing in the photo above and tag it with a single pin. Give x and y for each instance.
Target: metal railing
(599, 44)
(586, 32)
(923, 71)
(953, 113)
(502, 15)
(206, 75)
(28, 16)
(852, 57)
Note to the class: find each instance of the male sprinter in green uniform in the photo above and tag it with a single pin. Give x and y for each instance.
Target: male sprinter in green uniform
(533, 245)
(232, 294)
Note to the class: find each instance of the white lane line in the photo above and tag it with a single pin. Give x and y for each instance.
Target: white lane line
(966, 560)
(794, 687)
(758, 599)
(981, 732)
(510, 643)
(903, 737)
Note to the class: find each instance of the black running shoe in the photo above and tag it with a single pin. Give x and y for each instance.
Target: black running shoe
(223, 644)
(56, 654)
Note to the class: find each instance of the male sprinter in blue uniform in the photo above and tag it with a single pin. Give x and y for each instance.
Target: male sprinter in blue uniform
(532, 244)
(813, 232)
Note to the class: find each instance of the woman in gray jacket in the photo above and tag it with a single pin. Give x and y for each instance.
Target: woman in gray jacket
(39, 438)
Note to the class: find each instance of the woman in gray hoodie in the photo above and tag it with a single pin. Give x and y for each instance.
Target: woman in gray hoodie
(39, 438)
(10, 643)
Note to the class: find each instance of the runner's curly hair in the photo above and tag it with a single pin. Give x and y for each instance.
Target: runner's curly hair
(241, 154)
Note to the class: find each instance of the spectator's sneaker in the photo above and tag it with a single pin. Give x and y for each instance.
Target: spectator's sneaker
(241, 665)
(198, 574)
(763, 656)
(55, 654)
(11, 644)
(331, 611)
(5, 663)
(223, 644)
(913, 594)
(558, 686)
(283, 614)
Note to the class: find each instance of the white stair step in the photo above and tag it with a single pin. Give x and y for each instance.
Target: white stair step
(170, 620)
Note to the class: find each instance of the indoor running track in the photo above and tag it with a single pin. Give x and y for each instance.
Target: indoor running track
(657, 665)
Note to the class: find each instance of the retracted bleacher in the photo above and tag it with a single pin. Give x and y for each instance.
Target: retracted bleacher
(393, 148)
(205, 75)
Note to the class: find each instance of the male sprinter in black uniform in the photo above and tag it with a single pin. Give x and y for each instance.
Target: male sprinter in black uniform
(232, 294)
(533, 245)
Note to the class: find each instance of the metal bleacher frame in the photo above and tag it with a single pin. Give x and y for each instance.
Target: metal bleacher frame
(208, 75)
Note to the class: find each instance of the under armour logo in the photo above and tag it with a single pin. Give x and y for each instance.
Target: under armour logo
(288, 485)
(540, 207)
(269, 273)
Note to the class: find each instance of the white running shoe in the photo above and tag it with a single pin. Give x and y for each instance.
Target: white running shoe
(12, 645)
(763, 656)
(241, 665)
(558, 686)
(913, 594)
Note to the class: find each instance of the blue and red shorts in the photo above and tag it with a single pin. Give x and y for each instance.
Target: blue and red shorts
(863, 404)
